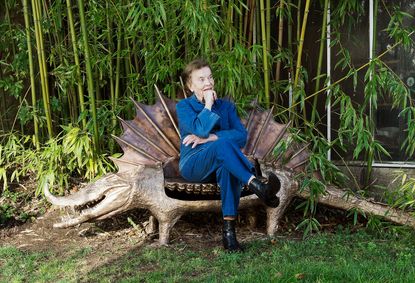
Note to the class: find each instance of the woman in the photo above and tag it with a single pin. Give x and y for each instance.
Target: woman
(212, 136)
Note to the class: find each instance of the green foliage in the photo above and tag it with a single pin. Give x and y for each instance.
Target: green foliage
(59, 160)
(409, 144)
(404, 196)
(132, 47)
(309, 225)
(398, 28)
(9, 208)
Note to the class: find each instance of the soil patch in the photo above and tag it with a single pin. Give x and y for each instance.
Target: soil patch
(112, 238)
(196, 230)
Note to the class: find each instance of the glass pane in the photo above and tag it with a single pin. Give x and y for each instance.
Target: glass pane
(390, 128)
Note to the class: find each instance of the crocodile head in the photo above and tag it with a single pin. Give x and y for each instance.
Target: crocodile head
(110, 195)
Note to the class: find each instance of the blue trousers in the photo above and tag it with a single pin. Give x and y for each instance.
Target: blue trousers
(221, 161)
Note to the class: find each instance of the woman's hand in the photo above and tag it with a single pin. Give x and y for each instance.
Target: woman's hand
(209, 97)
(195, 140)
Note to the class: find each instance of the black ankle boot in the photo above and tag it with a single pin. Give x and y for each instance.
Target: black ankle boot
(229, 237)
(267, 191)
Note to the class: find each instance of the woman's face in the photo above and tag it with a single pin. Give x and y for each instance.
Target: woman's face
(200, 81)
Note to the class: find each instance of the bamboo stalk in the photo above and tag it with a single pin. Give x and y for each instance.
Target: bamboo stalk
(111, 72)
(111, 83)
(172, 53)
(290, 34)
(300, 51)
(229, 23)
(257, 25)
(251, 22)
(264, 54)
(77, 64)
(114, 100)
(44, 13)
(298, 19)
(268, 23)
(56, 21)
(43, 52)
(280, 38)
(89, 76)
(291, 59)
(127, 62)
(13, 54)
(32, 73)
(320, 59)
(3, 113)
(13, 49)
(97, 72)
(42, 65)
(136, 60)
(72, 92)
(9, 24)
(246, 20)
(241, 23)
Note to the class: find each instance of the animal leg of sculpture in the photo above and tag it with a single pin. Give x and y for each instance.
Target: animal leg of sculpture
(164, 229)
(273, 219)
(151, 227)
(252, 218)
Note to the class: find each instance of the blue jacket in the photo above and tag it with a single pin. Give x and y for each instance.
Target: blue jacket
(194, 118)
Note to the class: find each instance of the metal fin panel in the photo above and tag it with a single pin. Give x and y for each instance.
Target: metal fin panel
(260, 137)
(254, 128)
(146, 158)
(168, 111)
(263, 134)
(140, 140)
(299, 158)
(157, 117)
(282, 134)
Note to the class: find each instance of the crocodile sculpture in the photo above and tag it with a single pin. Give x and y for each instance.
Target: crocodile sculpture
(148, 174)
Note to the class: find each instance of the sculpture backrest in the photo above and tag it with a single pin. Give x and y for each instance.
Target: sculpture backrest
(152, 138)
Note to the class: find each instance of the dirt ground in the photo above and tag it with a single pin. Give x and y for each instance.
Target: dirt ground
(113, 237)
(196, 230)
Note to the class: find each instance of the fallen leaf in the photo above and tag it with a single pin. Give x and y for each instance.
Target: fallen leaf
(278, 275)
(299, 276)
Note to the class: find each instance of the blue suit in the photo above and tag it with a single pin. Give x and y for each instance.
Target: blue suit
(221, 160)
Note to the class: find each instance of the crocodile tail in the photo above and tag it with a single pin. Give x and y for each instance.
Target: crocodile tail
(152, 138)
(266, 136)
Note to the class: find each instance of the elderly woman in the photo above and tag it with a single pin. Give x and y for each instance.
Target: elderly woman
(212, 138)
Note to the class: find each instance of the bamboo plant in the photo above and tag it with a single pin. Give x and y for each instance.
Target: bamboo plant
(300, 52)
(320, 61)
(265, 54)
(77, 63)
(32, 74)
(90, 79)
(42, 65)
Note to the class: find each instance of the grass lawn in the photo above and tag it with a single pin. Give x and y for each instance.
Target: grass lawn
(342, 257)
